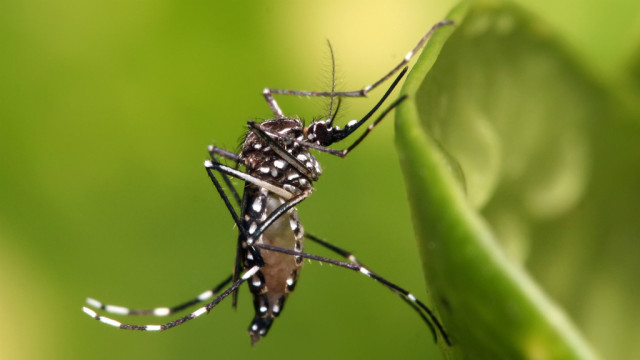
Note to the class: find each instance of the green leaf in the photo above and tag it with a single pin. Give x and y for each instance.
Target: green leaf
(495, 145)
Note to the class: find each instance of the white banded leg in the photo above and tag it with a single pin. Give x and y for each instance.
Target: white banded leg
(344, 253)
(273, 105)
(205, 309)
(213, 150)
(159, 311)
(410, 298)
(348, 255)
(211, 165)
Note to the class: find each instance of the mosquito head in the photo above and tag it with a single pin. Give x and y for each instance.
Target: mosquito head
(323, 133)
(320, 132)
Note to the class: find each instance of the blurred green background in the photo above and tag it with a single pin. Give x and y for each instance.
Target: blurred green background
(106, 111)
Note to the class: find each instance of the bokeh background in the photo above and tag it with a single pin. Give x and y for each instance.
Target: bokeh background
(106, 109)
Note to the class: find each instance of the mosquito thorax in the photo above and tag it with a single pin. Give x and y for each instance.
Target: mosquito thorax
(263, 162)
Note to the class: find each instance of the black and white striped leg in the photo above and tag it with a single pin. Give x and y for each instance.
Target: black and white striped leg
(225, 177)
(348, 255)
(344, 253)
(273, 105)
(359, 268)
(159, 311)
(237, 267)
(213, 150)
(211, 165)
(205, 309)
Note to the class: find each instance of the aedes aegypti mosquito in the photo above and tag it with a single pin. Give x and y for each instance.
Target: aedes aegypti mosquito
(279, 173)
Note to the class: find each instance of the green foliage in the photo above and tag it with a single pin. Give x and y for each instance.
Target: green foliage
(515, 158)
(106, 109)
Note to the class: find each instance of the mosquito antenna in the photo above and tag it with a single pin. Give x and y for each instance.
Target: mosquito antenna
(333, 83)
(335, 113)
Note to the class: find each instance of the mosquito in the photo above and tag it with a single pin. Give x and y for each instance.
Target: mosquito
(279, 172)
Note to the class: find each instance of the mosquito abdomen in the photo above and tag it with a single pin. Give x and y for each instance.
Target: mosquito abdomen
(277, 278)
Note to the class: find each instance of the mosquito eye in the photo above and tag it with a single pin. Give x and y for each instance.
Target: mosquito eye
(320, 134)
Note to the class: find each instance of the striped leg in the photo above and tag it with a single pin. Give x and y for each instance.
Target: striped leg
(410, 298)
(213, 150)
(205, 309)
(348, 255)
(344, 253)
(214, 164)
(211, 165)
(159, 311)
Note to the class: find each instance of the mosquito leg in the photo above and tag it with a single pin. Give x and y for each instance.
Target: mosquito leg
(268, 92)
(393, 105)
(344, 253)
(234, 214)
(213, 150)
(205, 309)
(250, 232)
(348, 255)
(410, 54)
(237, 268)
(159, 311)
(359, 268)
(271, 101)
(210, 165)
(291, 202)
(224, 153)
